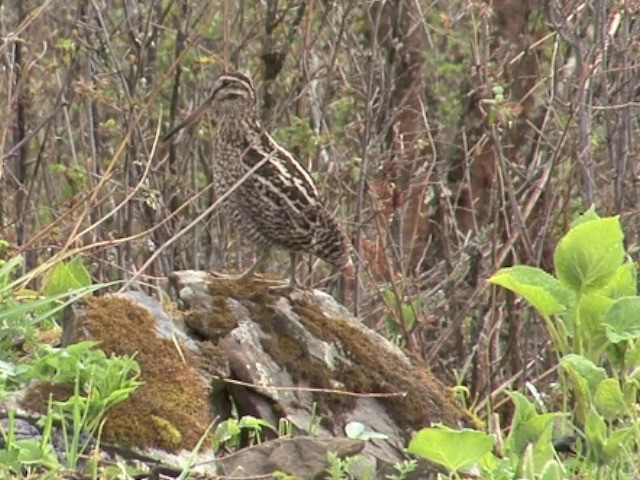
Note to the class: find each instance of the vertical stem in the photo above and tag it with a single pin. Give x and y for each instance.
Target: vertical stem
(18, 133)
(225, 34)
(577, 336)
(362, 181)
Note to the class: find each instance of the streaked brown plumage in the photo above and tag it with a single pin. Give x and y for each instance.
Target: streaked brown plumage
(278, 204)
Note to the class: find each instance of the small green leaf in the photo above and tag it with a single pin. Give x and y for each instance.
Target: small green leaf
(354, 429)
(10, 458)
(609, 400)
(456, 450)
(605, 448)
(359, 431)
(540, 289)
(33, 453)
(632, 354)
(253, 423)
(390, 299)
(590, 254)
(409, 316)
(7, 269)
(529, 427)
(490, 462)
(622, 321)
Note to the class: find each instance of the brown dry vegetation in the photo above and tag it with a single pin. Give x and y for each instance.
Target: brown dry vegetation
(453, 138)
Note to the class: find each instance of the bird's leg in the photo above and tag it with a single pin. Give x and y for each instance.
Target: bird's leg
(248, 273)
(293, 283)
(258, 264)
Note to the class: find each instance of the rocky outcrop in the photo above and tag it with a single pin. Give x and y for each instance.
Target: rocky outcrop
(274, 353)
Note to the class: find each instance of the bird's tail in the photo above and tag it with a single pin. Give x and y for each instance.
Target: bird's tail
(332, 243)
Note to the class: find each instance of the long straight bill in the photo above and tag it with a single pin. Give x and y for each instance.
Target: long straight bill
(189, 120)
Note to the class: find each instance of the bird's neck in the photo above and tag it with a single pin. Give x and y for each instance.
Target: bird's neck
(234, 124)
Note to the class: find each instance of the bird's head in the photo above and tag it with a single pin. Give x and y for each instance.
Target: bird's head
(232, 94)
(233, 91)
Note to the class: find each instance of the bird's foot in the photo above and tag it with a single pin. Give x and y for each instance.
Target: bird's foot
(254, 277)
(282, 284)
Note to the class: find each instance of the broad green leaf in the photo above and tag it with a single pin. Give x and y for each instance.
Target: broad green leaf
(596, 432)
(587, 216)
(617, 355)
(60, 280)
(528, 426)
(590, 314)
(619, 442)
(10, 458)
(65, 277)
(536, 431)
(586, 369)
(524, 408)
(553, 470)
(622, 321)
(592, 308)
(540, 289)
(78, 271)
(624, 283)
(33, 453)
(456, 450)
(536, 457)
(585, 378)
(609, 400)
(589, 255)
(605, 448)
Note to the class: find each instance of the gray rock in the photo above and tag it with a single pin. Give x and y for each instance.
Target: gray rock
(294, 355)
(301, 457)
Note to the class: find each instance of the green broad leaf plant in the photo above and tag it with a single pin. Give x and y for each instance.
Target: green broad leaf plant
(592, 312)
(99, 382)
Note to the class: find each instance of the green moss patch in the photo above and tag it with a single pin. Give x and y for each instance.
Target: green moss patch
(374, 369)
(173, 397)
(170, 409)
(211, 325)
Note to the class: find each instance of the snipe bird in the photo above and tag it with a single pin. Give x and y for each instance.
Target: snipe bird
(277, 205)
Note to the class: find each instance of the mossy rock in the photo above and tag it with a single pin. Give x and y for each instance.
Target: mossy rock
(170, 410)
(320, 346)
